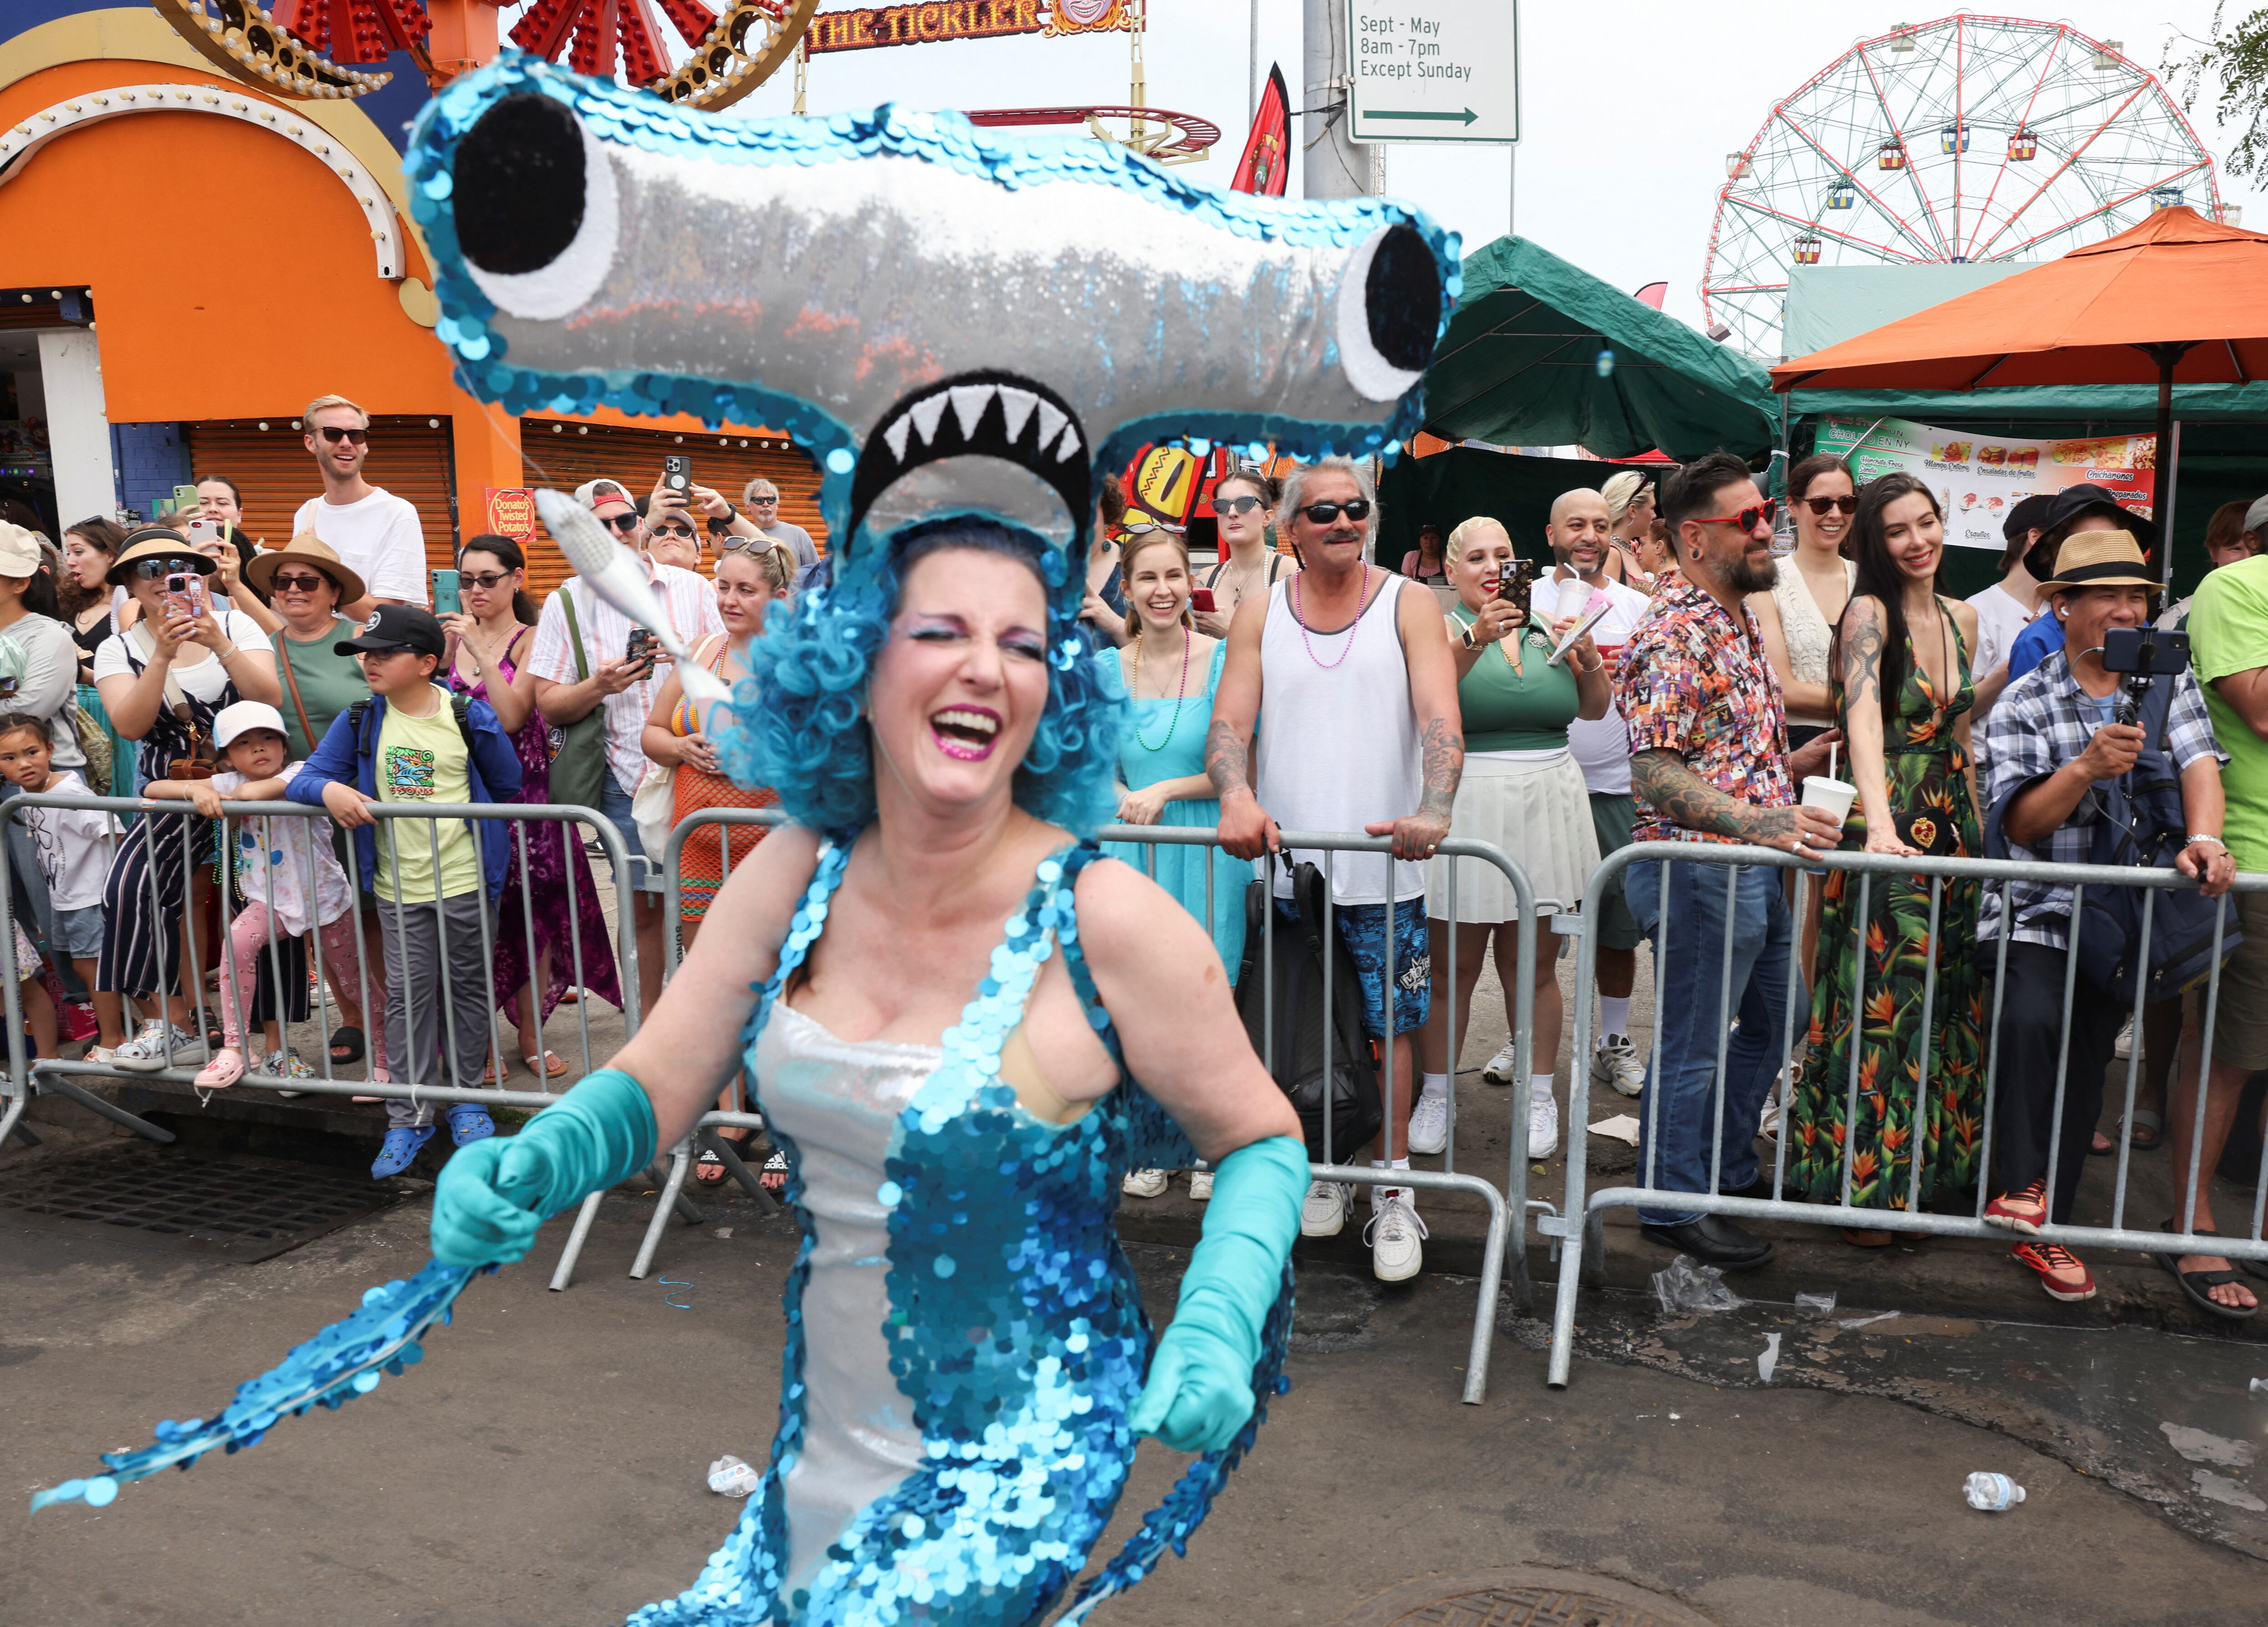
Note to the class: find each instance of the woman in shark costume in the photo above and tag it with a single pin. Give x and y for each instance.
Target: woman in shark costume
(962, 332)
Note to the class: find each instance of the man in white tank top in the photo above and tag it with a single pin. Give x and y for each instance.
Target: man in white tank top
(1350, 683)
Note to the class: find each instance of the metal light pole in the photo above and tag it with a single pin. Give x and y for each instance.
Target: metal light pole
(1333, 167)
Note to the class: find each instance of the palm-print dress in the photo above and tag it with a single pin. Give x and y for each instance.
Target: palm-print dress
(1911, 1031)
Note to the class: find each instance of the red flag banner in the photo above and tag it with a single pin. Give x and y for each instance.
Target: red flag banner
(1267, 161)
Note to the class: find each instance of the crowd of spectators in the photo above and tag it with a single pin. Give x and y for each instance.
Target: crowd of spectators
(1654, 661)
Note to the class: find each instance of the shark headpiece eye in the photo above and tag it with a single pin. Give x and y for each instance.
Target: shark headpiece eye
(535, 208)
(948, 319)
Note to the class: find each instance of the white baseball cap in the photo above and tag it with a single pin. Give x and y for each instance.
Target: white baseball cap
(2256, 517)
(19, 551)
(242, 718)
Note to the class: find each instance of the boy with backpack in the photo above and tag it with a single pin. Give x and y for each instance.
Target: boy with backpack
(413, 742)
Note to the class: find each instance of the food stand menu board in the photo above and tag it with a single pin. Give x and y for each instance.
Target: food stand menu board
(1977, 478)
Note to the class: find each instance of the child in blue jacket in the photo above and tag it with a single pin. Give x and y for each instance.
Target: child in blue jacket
(435, 879)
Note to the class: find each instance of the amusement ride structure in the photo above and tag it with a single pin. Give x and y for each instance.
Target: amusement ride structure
(1970, 138)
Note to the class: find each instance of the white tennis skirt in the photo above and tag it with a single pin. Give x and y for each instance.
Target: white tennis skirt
(1537, 811)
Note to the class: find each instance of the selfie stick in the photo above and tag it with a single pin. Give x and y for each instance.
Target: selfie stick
(615, 576)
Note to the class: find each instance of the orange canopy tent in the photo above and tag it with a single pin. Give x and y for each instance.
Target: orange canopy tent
(2176, 299)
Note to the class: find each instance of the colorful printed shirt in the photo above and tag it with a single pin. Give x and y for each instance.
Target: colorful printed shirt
(1696, 682)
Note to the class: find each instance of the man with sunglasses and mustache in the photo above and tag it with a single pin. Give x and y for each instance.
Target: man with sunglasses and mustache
(1352, 693)
(1708, 762)
(375, 533)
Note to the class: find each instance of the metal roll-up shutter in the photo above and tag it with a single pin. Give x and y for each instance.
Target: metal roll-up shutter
(411, 456)
(563, 453)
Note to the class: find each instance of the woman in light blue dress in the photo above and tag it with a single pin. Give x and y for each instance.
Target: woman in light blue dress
(1169, 671)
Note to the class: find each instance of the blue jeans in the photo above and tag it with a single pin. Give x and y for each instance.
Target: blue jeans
(1687, 908)
(615, 803)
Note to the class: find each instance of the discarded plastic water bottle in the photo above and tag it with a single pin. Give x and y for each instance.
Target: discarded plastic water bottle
(728, 1476)
(1995, 1494)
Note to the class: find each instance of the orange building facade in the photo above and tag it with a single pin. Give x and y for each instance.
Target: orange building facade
(185, 262)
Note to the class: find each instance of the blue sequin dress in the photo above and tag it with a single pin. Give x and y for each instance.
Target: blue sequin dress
(965, 1336)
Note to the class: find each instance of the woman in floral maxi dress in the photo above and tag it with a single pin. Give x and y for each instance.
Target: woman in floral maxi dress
(1913, 1066)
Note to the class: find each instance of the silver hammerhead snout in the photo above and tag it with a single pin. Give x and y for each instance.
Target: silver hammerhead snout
(613, 240)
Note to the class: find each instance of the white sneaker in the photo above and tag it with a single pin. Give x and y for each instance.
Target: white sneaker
(1615, 1061)
(1429, 1124)
(1499, 1069)
(1144, 1183)
(1395, 1234)
(1201, 1186)
(1767, 1126)
(158, 1046)
(1324, 1211)
(1543, 1125)
(2125, 1047)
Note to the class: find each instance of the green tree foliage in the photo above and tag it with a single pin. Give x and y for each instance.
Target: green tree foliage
(2233, 62)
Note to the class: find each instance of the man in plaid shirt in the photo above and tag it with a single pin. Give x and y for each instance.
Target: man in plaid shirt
(1708, 762)
(2050, 740)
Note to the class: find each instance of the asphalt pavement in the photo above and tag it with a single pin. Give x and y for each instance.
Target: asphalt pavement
(546, 1463)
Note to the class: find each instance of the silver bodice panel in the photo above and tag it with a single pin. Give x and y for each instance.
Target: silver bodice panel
(839, 1102)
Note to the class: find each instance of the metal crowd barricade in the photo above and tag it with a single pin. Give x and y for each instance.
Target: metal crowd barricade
(54, 1076)
(1580, 1229)
(1504, 1248)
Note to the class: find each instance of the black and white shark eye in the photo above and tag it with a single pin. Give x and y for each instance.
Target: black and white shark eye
(1389, 313)
(535, 209)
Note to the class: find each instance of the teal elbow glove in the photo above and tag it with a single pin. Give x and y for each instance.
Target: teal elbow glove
(1199, 1392)
(494, 1194)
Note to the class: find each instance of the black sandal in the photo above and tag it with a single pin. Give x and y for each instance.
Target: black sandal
(709, 1168)
(774, 1175)
(343, 1049)
(2196, 1284)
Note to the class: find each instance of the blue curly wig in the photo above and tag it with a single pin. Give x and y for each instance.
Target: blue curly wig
(799, 722)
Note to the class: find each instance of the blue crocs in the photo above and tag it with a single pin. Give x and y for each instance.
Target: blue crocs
(400, 1151)
(469, 1123)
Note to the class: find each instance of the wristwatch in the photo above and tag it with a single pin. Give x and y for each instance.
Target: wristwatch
(718, 526)
(1470, 643)
(2216, 840)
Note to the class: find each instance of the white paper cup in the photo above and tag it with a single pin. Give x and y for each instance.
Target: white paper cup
(1833, 795)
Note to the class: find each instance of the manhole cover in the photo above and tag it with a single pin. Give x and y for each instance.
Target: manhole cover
(244, 1207)
(1524, 1596)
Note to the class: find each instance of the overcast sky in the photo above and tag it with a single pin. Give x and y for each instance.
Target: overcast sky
(1629, 105)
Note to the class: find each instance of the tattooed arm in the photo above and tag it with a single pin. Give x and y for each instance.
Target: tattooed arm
(1246, 830)
(1440, 729)
(1691, 803)
(1859, 648)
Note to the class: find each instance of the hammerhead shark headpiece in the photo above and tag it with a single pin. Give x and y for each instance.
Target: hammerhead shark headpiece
(948, 321)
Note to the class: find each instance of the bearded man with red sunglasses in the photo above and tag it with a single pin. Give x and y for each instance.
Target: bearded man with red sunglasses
(375, 533)
(1708, 762)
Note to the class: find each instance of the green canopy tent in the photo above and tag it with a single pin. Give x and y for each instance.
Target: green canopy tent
(1520, 366)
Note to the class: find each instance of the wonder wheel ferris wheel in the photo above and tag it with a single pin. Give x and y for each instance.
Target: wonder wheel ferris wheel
(1970, 138)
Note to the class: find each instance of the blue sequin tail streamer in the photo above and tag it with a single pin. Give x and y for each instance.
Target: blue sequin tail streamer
(344, 1360)
(1170, 1524)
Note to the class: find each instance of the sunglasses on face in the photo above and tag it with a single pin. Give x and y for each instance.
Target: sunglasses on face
(152, 570)
(678, 533)
(625, 523)
(1324, 513)
(333, 434)
(1746, 519)
(1235, 506)
(762, 502)
(295, 583)
(487, 581)
(1823, 506)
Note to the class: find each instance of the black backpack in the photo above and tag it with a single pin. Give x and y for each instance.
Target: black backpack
(2139, 821)
(1308, 1037)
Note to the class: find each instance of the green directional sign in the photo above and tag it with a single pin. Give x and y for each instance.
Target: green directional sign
(1467, 116)
(1433, 71)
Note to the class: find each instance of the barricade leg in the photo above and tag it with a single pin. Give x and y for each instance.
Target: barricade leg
(673, 1197)
(563, 1272)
